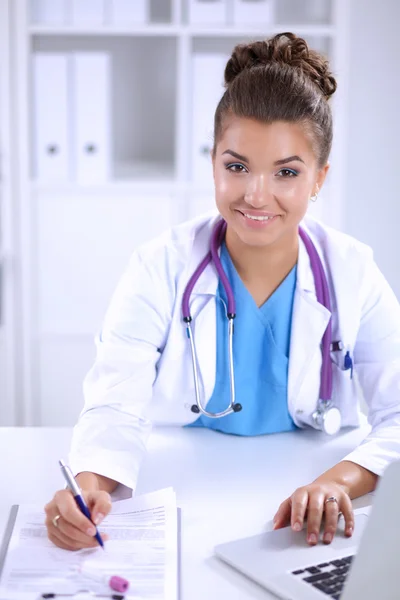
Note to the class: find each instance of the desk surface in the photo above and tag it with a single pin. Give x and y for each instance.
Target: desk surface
(227, 487)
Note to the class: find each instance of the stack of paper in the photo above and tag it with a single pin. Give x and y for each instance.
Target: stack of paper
(142, 547)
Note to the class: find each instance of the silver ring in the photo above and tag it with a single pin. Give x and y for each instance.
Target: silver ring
(55, 520)
(331, 499)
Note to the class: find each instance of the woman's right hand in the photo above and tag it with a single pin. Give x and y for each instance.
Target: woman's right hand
(72, 530)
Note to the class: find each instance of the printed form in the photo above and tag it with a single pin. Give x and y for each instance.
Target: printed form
(142, 548)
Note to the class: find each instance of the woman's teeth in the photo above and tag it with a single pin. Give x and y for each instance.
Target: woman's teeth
(258, 218)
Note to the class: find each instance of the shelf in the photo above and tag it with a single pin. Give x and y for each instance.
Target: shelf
(142, 30)
(264, 32)
(135, 176)
(140, 171)
(121, 187)
(172, 30)
(112, 187)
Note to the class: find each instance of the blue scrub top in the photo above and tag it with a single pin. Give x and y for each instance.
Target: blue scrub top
(261, 344)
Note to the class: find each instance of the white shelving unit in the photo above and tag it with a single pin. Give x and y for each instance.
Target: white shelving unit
(8, 348)
(75, 240)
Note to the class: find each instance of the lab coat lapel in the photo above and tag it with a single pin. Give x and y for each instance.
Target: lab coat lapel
(309, 321)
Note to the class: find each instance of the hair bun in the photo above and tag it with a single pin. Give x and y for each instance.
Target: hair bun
(283, 48)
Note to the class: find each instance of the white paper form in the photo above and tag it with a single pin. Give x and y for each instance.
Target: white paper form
(142, 547)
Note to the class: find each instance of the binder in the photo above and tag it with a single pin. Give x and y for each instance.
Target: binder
(252, 12)
(207, 89)
(49, 12)
(91, 115)
(129, 11)
(208, 12)
(51, 116)
(88, 12)
(317, 12)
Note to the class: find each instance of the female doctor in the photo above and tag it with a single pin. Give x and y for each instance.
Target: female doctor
(313, 311)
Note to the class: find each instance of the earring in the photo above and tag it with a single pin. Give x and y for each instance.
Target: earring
(315, 196)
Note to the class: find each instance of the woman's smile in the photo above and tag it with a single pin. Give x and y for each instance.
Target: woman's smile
(257, 221)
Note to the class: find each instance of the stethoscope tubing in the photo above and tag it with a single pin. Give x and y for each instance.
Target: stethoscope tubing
(323, 297)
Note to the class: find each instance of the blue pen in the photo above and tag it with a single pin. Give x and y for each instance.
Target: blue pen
(77, 493)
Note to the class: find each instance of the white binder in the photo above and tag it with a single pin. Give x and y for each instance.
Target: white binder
(48, 12)
(51, 116)
(91, 114)
(88, 12)
(208, 78)
(252, 12)
(129, 11)
(208, 12)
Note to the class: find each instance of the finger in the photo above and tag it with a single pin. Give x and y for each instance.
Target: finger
(348, 514)
(58, 542)
(100, 505)
(314, 517)
(299, 508)
(331, 520)
(58, 536)
(67, 508)
(282, 517)
(63, 541)
(72, 533)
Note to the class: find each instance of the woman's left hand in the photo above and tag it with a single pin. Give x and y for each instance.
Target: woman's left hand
(311, 501)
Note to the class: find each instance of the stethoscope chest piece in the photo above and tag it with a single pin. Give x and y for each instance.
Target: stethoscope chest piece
(328, 419)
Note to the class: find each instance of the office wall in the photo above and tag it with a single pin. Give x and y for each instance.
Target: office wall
(372, 195)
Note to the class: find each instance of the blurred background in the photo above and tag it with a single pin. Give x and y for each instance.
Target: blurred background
(106, 110)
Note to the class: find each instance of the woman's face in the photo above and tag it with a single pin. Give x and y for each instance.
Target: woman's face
(264, 176)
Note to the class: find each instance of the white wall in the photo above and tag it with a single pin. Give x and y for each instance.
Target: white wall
(373, 170)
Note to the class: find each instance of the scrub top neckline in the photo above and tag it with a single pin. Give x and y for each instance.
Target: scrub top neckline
(272, 299)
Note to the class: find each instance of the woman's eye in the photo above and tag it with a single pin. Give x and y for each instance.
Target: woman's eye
(236, 168)
(287, 173)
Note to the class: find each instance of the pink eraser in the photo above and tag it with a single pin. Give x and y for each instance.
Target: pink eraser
(118, 584)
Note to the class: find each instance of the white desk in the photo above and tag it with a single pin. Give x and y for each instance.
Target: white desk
(227, 487)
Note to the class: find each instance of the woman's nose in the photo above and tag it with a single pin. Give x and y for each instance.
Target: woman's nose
(258, 192)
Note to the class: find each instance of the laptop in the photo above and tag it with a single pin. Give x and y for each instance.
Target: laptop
(365, 566)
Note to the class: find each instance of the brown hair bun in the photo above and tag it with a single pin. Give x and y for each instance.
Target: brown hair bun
(286, 49)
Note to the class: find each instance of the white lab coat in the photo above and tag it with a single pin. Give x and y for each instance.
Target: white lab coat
(143, 370)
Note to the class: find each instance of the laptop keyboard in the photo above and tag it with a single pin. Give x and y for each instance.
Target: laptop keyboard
(328, 577)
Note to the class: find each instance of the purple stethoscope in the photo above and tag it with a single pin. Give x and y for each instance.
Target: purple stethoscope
(326, 416)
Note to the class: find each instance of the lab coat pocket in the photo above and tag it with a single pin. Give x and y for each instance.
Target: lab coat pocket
(344, 393)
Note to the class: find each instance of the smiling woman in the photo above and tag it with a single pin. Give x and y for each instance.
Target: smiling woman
(273, 135)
